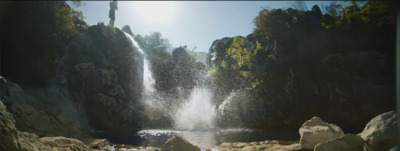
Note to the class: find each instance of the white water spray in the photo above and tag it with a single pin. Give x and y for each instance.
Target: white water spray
(227, 101)
(196, 113)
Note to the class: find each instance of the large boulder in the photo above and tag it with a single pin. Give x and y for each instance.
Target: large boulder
(54, 107)
(13, 140)
(382, 132)
(178, 143)
(315, 131)
(8, 132)
(64, 143)
(349, 142)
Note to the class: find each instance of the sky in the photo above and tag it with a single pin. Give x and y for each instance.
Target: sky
(193, 23)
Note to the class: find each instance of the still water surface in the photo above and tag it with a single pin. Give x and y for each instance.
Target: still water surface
(202, 139)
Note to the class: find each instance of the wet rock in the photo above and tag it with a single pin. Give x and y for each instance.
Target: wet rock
(248, 148)
(349, 142)
(8, 133)
(226, 145)
(6, 119)
(381, 133)
(62, 142)
(254, 143)
(315, 131)
(273, 145)
(240, 145)
(178, 143)
(100, 144)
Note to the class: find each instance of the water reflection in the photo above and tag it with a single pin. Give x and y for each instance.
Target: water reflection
(202, 139)
(207, 139)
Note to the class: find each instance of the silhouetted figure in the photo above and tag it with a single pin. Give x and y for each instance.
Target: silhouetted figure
(111, 15)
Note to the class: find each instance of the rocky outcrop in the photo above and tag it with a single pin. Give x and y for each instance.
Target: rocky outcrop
(382, 132)
(44, 111)
(67, 143)
(217, 50)
(315, 131)
(100, 144)
(97, 86)
(8, 132)
(349, 142)
(15, 140)
(104, 69)
(72, 79)
(269, 145)
(178, 143)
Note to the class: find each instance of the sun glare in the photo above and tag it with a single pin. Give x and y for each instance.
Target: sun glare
(154, 11)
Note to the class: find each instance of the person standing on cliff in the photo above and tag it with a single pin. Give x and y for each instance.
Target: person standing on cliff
(111, 15)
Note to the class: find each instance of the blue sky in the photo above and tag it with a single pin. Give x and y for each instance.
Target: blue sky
(192, 23)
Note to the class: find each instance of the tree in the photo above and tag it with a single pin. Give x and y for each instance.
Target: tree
(300, 5)
(183, 69)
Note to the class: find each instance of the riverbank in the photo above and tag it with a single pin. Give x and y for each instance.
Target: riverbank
(380, 133)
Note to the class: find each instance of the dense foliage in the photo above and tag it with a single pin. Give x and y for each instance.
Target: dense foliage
(39, 31)
(170, 70)
(311, 63)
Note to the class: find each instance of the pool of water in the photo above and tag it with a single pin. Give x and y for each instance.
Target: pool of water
(202, 139)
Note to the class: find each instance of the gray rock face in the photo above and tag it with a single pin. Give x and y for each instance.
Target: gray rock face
(13, 140)
(8, 133)
(97, 85)
(105, 69)
(381, 133)
(315, 131)
(178, 143)
(45, 111)
(217, 50)
(349, 142)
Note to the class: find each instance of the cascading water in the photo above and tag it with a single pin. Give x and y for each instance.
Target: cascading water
(148, 80)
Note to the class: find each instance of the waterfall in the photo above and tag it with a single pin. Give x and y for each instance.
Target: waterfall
(148, 80)
(194, 113)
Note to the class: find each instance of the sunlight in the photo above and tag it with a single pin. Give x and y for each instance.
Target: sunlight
(155, 11)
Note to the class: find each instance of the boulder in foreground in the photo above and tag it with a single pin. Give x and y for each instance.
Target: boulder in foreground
(315, 131)
(178, 143)
(381, 133)
(349, 142)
